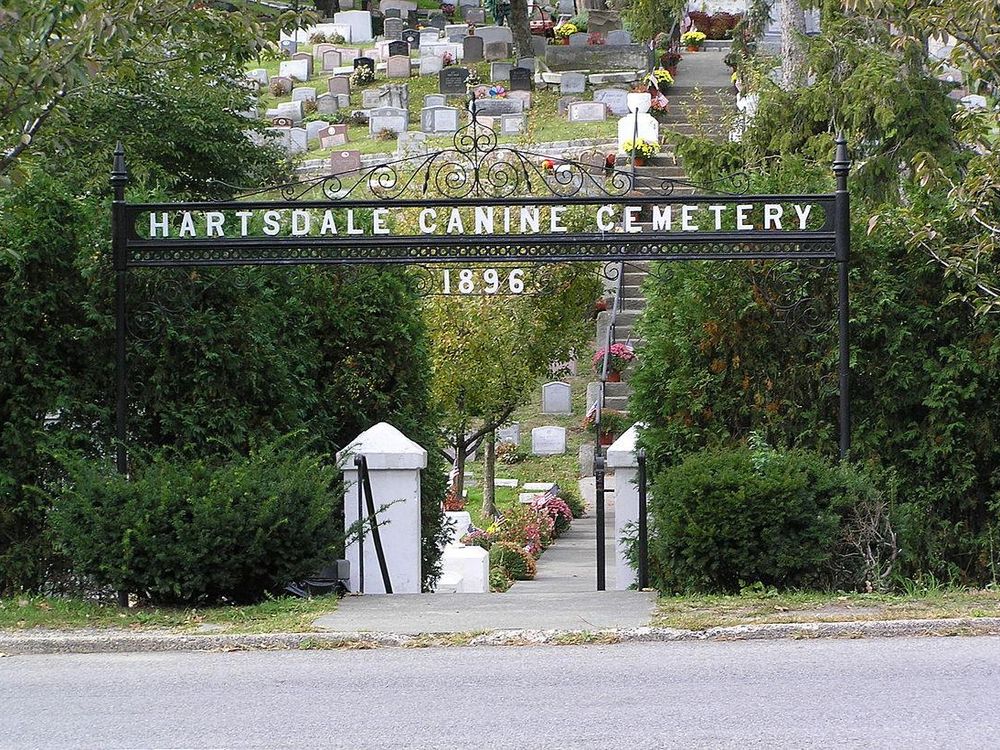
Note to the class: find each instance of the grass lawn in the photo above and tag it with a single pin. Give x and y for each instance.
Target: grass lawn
(702, 612)
(280, 615)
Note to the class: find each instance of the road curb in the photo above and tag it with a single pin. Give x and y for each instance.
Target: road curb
(110, 641)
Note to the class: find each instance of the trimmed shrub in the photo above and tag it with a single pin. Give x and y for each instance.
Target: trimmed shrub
(193, 532)
(515, 560)
(499, 580)
(734, 517)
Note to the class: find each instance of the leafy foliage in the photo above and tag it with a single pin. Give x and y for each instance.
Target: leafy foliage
(193, 531)
(514, 560)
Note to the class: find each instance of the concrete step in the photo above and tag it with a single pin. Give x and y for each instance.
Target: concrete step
(619, 403)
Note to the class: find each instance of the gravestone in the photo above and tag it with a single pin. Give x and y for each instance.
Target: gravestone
(398, 66)
(512, 124)
(439, 120)
(331, 60)
(259, 75)
(510, 434)
(500, 71)
(548, 441)
(495, 34)
(587, 112)
(456, 32)
(452, 80)
(438, 21)
(614, 99)
(411, 144)
(619, 37)
(394, 30)
(472, 49)
(292, 109)
(538, 45)
(289, 46)
(400, 6)
(557, 398)
(280, 121)
(319, 50)
(308, 58)
(283, 84)
(327, 104)
(641, 124)
(605, 22)
(496, 51)
(435, 100)
(491, 107)
(430, 64)
(393, 13)
(522, 96)
(528, 63)
(568, 7)
(389, 95)
(304, 94)
(345, 162)
(578, 39)
(520, 79)
(412, 38)
(387, 118)
(364, 62)
(313, 129)
(564, 102)
(298, 142)
(339, 85)
(474, 15)
(295, 69)
(439, 48)
(597, 57)
(429, 36)
(399, 48)
(360, 22)
(411, 20)
(348, 54)
(573, 83)
(333, 135)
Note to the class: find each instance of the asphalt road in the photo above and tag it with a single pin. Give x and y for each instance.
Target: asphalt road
(899, 693)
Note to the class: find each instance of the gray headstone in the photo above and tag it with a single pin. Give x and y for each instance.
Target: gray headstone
(521, 96)
(528, 63)
(339, 85)
(298, 141)
(456, 32)
(360, 22)
(597, 57)
(438, 21)
(495, 34)
(451, 80)
(548, 441)
(606, 22)
(496, 51)
(307, 56)
(259, 75)
(398, 66)
(587, 112)
(429, 36)
(393, 13)
(400, 6)
(393, 29)
(512, 124)
(304, 94)
(435, 100)
(491, 107)
(578, 39)
(289, 46)
(292, 109)
(471, 14)
(387, 118)
(500, 71)
(313, 128)
(566, 7)
(538, 45)
(331, 60)
(614, 99)
(510, 434)
(327, 104)
(430, 64)
(399, 48)
(619, 37)
(439, 119)
(472, 49)
(573, 83)
(520, 79)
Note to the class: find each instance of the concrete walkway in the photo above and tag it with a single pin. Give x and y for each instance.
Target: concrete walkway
(563, 596)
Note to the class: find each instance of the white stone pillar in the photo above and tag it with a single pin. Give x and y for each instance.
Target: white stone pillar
(621, 458)
(394, 464)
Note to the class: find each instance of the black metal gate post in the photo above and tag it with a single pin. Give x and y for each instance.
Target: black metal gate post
(842, 243)
(599, 500)
(643, 532)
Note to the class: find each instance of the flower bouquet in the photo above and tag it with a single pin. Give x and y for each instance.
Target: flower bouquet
(640, 151)
(564, 31)
(619, 357)
(693, 40)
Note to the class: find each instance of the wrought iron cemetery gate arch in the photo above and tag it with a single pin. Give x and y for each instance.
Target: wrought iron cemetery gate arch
(639, 218)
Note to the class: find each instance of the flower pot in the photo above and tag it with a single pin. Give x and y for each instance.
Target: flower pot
(692, 48)
(616, 377)
(638, 101)
(606, 438)
(639, 161)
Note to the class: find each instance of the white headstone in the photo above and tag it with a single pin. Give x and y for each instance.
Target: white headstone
(614, 99)
(313, 128)
(297, 69)
(305, 94)
(439, 119)
(548, 441)
(510, 434)
(359, 22)
(391, 118)
(298, 141)
(430, 65)
(587, 112)
(557, 398)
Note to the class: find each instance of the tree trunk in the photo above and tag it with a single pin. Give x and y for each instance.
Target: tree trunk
(489, 475)
(520, 27)
(461, 448)
(793, 53)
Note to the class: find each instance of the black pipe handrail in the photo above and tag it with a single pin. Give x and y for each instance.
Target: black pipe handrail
(643, 531)
(365, 498)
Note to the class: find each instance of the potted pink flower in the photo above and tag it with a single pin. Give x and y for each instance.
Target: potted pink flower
(620, 356)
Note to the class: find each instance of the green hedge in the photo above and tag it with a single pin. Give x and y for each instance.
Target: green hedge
(194, 531)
